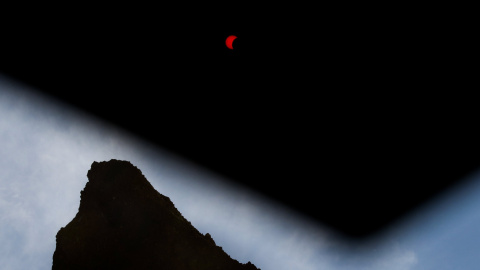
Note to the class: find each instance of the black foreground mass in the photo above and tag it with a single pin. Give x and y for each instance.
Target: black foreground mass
(124, 223)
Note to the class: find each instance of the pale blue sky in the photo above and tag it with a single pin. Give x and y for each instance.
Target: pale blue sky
(47, 148)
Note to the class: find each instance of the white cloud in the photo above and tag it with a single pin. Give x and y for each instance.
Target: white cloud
(378, 254)
(396, 258)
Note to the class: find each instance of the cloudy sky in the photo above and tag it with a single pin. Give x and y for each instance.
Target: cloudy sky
(47, 148)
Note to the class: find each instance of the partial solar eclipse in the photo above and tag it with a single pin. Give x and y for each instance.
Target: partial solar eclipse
(229, 41)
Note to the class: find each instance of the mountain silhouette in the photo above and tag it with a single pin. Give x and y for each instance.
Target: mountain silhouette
(124, 223)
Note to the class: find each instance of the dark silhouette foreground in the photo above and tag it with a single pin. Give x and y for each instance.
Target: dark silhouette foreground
(124, 223)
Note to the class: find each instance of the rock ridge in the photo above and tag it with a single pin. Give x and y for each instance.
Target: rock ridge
(124, 223)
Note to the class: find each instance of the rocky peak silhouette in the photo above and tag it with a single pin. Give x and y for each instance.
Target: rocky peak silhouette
(124, 223)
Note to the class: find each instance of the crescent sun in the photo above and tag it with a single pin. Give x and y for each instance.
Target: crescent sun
(229, 41)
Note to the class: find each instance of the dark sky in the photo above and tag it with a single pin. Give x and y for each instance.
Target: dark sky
(374, 98)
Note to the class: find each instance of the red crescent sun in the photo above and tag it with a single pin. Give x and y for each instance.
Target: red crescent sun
(229, 41)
